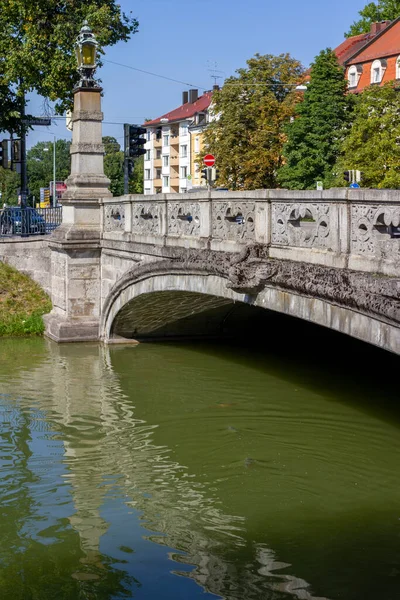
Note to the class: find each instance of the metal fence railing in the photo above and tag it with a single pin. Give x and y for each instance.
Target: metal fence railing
(16, 221)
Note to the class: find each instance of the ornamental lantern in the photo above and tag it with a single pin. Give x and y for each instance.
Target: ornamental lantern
(86, 56)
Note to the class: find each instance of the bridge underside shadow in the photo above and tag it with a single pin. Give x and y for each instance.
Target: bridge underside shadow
(190, 315)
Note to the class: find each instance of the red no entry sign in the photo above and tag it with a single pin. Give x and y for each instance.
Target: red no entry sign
(209, 160)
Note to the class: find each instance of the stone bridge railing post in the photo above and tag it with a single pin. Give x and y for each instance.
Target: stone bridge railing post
(76, 244)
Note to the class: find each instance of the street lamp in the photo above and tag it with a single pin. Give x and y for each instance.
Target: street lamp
(86, 55)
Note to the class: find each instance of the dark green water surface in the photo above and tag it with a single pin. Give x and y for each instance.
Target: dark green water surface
(199, 471)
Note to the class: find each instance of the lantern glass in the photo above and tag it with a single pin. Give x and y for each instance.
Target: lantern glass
(88, 54)
(78, 54)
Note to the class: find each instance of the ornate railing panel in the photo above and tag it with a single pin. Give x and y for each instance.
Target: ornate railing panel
(184, 218)
(146, 218)
(233, 221)
(375, 231)
(303, 225)
(114, 217)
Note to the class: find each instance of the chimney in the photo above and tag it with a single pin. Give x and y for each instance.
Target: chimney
(378, 27)
(193, 96)
(215, 87)
(185, 97)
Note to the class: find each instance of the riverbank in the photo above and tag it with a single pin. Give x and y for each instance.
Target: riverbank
(22, 304)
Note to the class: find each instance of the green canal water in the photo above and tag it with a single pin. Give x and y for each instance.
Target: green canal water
(199, 471)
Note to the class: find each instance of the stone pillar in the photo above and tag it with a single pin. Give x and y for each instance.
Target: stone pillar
(75, 245)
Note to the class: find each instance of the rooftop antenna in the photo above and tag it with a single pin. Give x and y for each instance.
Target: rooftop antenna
(213, 70)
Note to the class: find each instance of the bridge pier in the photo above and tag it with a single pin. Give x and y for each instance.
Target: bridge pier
(75, 249)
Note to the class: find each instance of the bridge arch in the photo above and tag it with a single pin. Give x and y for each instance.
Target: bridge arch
(142, 296)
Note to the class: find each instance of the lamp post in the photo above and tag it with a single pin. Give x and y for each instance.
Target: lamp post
(86, 55)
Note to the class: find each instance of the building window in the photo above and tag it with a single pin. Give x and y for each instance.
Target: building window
(196, 168)
(166, 181)
(184, 129)
(158, 155)
(147, 157)
(165, 140)
(197, 145)
(183, 172)
(158, 173)
(148, 135)
(166, 161)
(184, 151)
(398, 68)
(147, 173)
(378, 69)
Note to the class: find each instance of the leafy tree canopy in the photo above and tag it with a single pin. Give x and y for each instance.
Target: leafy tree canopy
(114, 165)
(319, 127)
(250, 111)
(385, 10)
(40, 165)
(9, 183)
(372, 145)
(37, 47)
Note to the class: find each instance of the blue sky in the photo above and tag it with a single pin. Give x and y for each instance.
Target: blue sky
(185, 39)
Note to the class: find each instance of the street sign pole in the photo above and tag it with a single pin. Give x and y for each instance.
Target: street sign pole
(24, 175)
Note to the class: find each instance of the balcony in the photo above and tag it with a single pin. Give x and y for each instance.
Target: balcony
(174, 159)
(157, 163)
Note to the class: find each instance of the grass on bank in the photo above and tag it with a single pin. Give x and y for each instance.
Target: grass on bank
(22, 304)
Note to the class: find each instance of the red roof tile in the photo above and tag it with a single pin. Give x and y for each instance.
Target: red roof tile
(186, 111)
(351, 45)
(386, 44)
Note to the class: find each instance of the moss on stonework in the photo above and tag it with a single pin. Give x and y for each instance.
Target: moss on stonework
(22, 304)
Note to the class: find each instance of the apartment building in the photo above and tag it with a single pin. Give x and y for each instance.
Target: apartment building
(171, 145)
(372, 58)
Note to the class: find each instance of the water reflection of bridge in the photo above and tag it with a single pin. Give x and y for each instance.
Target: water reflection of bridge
(109, 452)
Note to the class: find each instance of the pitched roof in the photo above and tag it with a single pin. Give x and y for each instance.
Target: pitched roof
(351, 45)
(385, 43)
(185, 111)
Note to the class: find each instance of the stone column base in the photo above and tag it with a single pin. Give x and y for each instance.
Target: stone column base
(60, 329)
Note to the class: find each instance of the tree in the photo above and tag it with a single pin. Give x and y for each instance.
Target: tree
(373, 144)
(40, 164)
(37, 47)
(136, 182)
(114, 165)
(9, 183)
(314, 137)
(250, 111)
(385, 10)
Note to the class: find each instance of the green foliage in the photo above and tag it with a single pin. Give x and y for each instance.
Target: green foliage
(373, 144)
(385, 10)
(9, 184)
(314, 137)
(39, 161)
(252, 109)
(136, 182)
(114, 165)
(22, 304)
(37, 47)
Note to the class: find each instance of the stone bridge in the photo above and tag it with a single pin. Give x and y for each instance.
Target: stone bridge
(331, 258)
(195, 264)
(141, 267)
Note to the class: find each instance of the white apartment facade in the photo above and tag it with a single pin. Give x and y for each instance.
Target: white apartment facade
(168, 159)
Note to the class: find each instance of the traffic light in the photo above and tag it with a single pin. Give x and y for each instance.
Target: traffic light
(16, 151)
(134, 141)
(214, 174)
(204, 174)
(347, 176)
(4, 154)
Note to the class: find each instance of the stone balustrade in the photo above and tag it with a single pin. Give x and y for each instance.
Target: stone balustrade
(344, 228)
